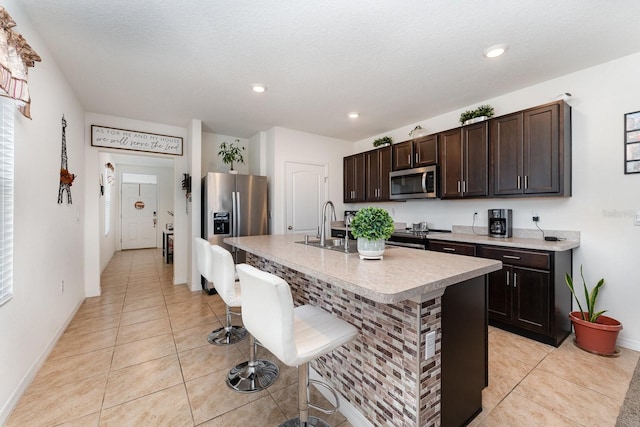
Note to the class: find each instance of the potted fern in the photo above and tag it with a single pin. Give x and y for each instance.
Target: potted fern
(595, 332)
(231, 153)
(481, 113)
(371, 226)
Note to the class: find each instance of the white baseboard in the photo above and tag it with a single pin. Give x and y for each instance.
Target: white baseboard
(630, 344)
(28, 378)
(353, 415)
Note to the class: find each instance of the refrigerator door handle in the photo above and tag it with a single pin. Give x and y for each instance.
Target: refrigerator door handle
(234, 214)
(238, 215)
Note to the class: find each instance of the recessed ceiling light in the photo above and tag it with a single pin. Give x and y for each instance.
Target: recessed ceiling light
(258, 88)
(495, 50)
(354, 115)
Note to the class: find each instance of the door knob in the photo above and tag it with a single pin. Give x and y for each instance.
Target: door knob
(289, 228)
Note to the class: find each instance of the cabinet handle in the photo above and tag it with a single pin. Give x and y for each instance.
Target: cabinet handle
(510, 257)
(518, 182)
(409, 158)
(458, 186)
(449, 249)
(417, 157)
(507, 277)
(515, 280)
(464, 186)
(526, 182)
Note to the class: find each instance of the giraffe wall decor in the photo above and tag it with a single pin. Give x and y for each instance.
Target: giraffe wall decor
(66, 178)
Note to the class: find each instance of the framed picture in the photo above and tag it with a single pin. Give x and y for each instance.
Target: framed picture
(632, 142)
(123, 139)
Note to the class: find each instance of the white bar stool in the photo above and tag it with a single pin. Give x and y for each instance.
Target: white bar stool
(254, 374)
(228, 290)
(294, 335)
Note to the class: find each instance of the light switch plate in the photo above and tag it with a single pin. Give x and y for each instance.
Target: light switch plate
(430, 349)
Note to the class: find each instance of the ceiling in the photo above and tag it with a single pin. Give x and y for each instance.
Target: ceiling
(394, 62)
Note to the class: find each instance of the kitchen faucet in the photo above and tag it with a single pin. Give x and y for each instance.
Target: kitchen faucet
(323, 229)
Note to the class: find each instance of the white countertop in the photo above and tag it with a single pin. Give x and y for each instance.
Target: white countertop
(403, 273)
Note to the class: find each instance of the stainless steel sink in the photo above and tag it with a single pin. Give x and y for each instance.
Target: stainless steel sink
(334, 245)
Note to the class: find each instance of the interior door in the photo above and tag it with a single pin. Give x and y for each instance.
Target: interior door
(139, 210)
(306, 192)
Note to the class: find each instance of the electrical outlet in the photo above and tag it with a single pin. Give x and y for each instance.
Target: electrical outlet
(535, 218)
(430, 347)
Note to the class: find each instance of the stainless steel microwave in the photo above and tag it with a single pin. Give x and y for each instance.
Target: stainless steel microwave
(417, 183)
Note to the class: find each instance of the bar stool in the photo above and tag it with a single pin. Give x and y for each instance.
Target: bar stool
(254, 374)
(229, 334)
(294, 335)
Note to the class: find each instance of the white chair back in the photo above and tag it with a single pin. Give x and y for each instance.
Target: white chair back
(267, 311)
(204, 259)
(224, 275)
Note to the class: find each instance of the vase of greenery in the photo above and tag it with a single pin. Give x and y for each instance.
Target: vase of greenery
(385, 140)
(595, 332)
(481, 113)
(371, 226)
(230, 153)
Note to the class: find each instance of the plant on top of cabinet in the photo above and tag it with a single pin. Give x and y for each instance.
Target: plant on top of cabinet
(231, 153)
(595, 333)
(484, 111)
(417, 132)
(385, 140)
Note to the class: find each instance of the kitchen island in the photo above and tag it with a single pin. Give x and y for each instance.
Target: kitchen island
(395, 303)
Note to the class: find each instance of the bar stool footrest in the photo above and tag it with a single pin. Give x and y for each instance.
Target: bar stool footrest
(336, 406)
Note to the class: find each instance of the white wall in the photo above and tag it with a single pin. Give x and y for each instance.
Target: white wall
(604, 198)
(48, 237)
(294, 146)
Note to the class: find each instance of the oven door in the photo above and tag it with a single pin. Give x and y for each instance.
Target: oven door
(418, 183)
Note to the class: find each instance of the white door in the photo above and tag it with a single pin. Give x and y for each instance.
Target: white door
(139, 216)
(306, 192)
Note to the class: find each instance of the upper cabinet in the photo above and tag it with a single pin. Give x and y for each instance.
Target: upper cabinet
(415, 153)
(531, 152)
(464, 161)
(377, 168)
(354, 178)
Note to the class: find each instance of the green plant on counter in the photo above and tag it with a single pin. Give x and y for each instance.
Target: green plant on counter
(231, 153)
(590, 297)
(483, 110)
(382, 141)
(372, 223)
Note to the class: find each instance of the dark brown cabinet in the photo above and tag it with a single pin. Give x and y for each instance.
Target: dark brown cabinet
(529, 296)
(464, 161)
(452, 248)
(415, 153)
(377, 168)
(354, 178)
(531, 152)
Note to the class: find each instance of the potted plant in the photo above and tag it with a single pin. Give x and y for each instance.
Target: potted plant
(481, 113)
(416, 132)
(231, 153)
(385, 140)
(371, 226)
(595, 332)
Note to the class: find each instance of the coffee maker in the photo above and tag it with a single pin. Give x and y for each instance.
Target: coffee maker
(500, 223)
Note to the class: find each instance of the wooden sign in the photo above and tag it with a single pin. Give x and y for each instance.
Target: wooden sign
(123, 139)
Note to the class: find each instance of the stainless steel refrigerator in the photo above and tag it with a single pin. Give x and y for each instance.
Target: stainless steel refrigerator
(233, 205)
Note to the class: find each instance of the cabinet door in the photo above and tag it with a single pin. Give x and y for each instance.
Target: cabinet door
(385, 169)
(499, 289)
(541, 150)
(476, 160)
(402, 155)
(531, 299)
(451, 163)
(354, 178)
(372, 172)
(506, 154)
(425, 151)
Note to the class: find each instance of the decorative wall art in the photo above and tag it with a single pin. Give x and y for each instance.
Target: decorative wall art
(66, 178)
(132, 140)
(632, 142)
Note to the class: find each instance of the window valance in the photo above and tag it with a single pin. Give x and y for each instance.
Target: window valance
(16, 56)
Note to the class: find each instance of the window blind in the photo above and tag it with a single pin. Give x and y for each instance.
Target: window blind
(6, 199)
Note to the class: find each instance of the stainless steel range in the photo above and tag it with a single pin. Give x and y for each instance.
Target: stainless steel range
(414, 237)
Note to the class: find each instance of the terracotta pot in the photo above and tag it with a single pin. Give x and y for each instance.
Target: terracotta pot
(599, 337)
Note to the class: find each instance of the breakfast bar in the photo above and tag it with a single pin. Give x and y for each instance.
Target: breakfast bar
(396, 303)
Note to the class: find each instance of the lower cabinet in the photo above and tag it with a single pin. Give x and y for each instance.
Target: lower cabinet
(528, 296)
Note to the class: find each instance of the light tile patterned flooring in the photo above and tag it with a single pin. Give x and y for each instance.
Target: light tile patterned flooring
(138, 356)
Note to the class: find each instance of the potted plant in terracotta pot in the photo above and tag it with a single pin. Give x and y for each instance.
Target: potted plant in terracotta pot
(231, 153)
(371, 226)
(595, 332)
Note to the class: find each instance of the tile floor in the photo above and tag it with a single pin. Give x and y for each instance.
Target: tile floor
(138, 356)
